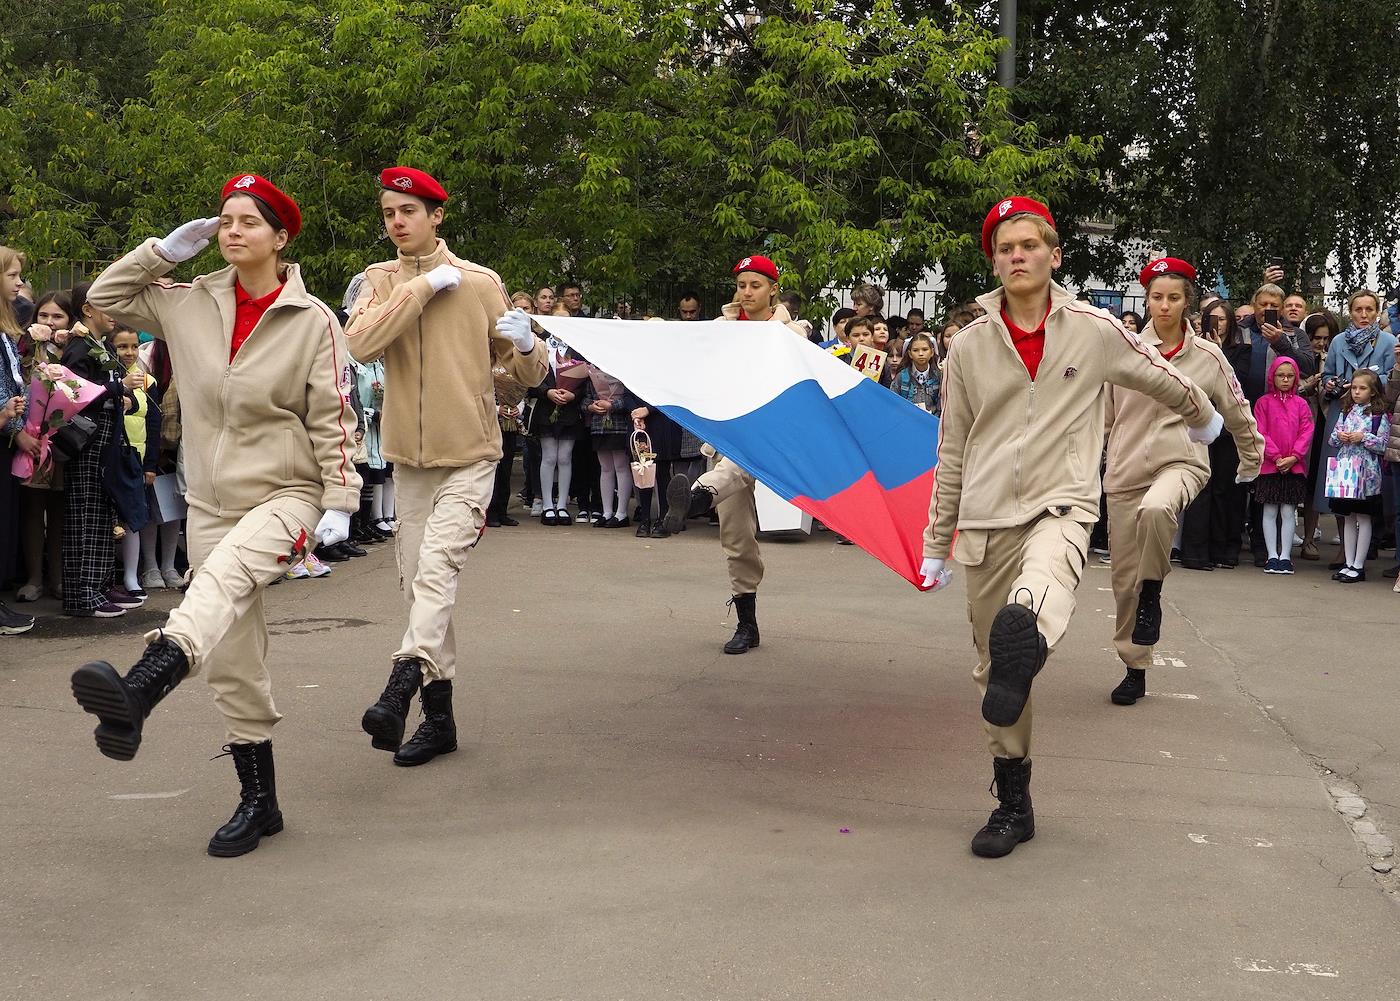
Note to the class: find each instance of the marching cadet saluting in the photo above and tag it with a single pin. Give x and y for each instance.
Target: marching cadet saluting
(1155, 469)
(441, 324)
(263, 374)
(1017, 476)
(727, 487)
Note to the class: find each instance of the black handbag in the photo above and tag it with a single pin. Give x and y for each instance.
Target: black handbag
(70, 439)
(122, 477)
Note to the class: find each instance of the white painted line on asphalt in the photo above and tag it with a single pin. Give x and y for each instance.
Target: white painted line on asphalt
(1174, 695)
(308, 686)
(1162, 660)
(1269, 966)
(1206, 839)
(149, 795)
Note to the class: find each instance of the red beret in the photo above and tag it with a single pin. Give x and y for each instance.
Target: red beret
(759, 265)
(268, 193)
(412, 182)
(1006, 209)
(1166, 266)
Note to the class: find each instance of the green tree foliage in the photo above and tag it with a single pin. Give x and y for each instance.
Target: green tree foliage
(1234, 130)
(622, 141)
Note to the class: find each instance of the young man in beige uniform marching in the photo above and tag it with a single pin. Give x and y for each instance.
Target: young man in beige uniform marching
(1155, 470)
(727, 488)
(1017, 476)
(442, 324)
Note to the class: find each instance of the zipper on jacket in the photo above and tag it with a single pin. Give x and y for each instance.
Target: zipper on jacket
(219, 444)
(1030, 406)
(418, 267)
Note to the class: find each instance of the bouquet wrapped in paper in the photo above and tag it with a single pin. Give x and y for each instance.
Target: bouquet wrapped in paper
(571, 374)
(55, 394)
(509, 394)
(605, 386)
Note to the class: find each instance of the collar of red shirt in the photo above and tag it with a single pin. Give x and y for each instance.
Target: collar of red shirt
(242, 299)
(1017, 334)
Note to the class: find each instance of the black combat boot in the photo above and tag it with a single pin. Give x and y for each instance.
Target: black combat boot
(746, 633)
(1147, 630)
(257, 815)
(1013, 821)
(122, 704)
(384, 721)
(437, 734)
(1131, 688)
(685, 500)
(1017, 652)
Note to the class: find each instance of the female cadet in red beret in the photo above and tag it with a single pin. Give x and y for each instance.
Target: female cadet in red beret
(263, 374)
(1154, 470)
(727, 488)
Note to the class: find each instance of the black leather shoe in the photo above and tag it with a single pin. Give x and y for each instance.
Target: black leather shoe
(507, 521)
(745, 636)
(1013, 821)
(492, 521)
(352, 550)
(385, 720)
(331, 554)
(257, 815)
(1017, 652)
(1147, 628)
(1199, 565)
(122, 704)
(1131, 688)
(643, 530)
(437, 734)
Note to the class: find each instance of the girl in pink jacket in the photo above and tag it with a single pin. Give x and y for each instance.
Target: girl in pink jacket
(1286, 422)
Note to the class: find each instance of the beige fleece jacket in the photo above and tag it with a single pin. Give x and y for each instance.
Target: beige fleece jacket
(439, 350)
(1145, 437)
(277, 421)
(1011, 449)
(732, 310)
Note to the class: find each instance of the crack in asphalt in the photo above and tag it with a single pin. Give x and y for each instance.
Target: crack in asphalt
(1387, 880)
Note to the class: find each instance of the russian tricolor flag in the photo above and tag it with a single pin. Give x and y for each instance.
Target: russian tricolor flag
(849, 452)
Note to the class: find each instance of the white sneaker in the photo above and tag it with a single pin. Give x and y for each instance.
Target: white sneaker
(298, 571)
(173, 578)
(537, 508)
(1297, 540)
(151, 580)
(314, 566)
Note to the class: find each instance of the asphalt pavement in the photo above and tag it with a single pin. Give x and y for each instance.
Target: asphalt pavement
(634, 815)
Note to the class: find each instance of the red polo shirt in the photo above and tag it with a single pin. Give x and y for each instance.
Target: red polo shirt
(247, 311)
(1029, 344)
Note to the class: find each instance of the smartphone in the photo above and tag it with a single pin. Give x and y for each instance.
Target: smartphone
(1276, 262)
(1271, 317)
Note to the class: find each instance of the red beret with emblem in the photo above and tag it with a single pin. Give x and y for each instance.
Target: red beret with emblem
(278, 201)
(1009, 208)
(412, 182)
(759, 265)
(1166, 266)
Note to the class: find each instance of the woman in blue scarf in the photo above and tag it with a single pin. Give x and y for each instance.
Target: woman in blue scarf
(1362, 345)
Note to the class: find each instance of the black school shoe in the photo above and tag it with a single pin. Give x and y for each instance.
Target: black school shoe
(1017, 652)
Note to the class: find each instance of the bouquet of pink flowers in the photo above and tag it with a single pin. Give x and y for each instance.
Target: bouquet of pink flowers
(604, 385)
(571, 374)
(55, 394)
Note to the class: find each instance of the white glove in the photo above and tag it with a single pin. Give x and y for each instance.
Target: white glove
(1207, 434)
(935, 573)
(516, 326)
(334, 527)
(444, 276)
(188, 240)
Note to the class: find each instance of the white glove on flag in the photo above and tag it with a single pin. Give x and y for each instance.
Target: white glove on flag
(516, 326)
(334, 527)
(444, 276)
(187, 240)
(1206, 435)
(935, 573)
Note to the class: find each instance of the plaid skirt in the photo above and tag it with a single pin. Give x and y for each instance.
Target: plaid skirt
(89, 547)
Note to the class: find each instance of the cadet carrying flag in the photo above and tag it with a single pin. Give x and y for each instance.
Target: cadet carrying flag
(849, 452)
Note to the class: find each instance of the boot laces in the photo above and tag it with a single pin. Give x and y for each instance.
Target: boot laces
(429, 730)
(245, 764)
(1006, 814)
(403, 682)
(155, 671)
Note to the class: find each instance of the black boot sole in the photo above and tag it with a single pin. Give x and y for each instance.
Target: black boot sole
(1017, 654)
(233, 849)
(385, 729)
(98, 689)
(414, 762)
(678, 503)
